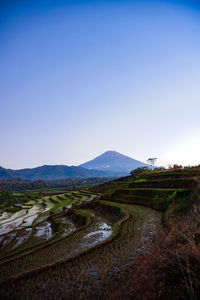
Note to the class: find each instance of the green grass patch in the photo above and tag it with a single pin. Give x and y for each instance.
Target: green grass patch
(178, 183)
(159, 199)
(13, 209)
(32, 202)
(140, 180)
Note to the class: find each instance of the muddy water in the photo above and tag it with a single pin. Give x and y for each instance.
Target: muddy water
(68, 226)
(98, 274)
(5, 240)
(99, 230)
(18, 220)
(43, 231)
(99, 234)
(15, 228)
(14, 216)
(22, 236)
(5, 216)
(27, 222)
(10, 226)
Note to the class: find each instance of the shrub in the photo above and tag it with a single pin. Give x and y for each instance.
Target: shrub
(171, 270)
(13, 209)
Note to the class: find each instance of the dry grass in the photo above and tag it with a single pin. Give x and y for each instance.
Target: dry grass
(171, 270)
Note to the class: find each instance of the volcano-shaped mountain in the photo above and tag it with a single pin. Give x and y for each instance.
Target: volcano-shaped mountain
(114, 163)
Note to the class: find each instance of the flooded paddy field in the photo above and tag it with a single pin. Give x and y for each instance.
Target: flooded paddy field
(88, 275)
(99, 229)
(32, 224)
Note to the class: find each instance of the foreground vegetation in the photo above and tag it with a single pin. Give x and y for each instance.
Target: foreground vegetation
(135, 237)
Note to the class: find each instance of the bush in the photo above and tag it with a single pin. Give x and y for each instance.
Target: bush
(138, 171)
(171, 270)
(13, 209)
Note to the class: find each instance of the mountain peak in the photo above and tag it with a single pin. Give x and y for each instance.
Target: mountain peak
(114, 162)
(112, 153)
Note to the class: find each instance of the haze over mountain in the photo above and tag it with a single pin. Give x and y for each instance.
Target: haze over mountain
(112, 161)
(50, 173)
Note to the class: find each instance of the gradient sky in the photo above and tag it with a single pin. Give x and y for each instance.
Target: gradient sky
(78, 78)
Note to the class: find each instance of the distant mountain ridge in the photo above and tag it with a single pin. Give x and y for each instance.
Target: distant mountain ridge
(112, 161)
(109, 164)
(50, 172)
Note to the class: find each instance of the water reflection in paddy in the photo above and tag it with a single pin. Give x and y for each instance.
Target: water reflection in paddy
(22, 218)
(43, 231)
(14, 216)
(100, 232)
(7, 239)
(22, 237)
(68, 226)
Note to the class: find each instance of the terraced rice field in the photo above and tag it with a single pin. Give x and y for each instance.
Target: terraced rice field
(34, 223)
(79, 246)
(88, 263)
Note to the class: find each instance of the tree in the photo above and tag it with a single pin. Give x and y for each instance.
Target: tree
(152, 161)
(176, 166)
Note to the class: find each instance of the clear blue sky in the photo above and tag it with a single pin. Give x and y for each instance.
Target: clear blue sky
(78, 78)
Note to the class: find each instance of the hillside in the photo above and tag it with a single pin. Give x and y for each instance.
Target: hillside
(113, 162)
(50, 173)
(167, 191)
(106, 242)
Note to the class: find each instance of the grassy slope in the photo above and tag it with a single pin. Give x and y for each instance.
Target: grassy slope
(171, 192)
